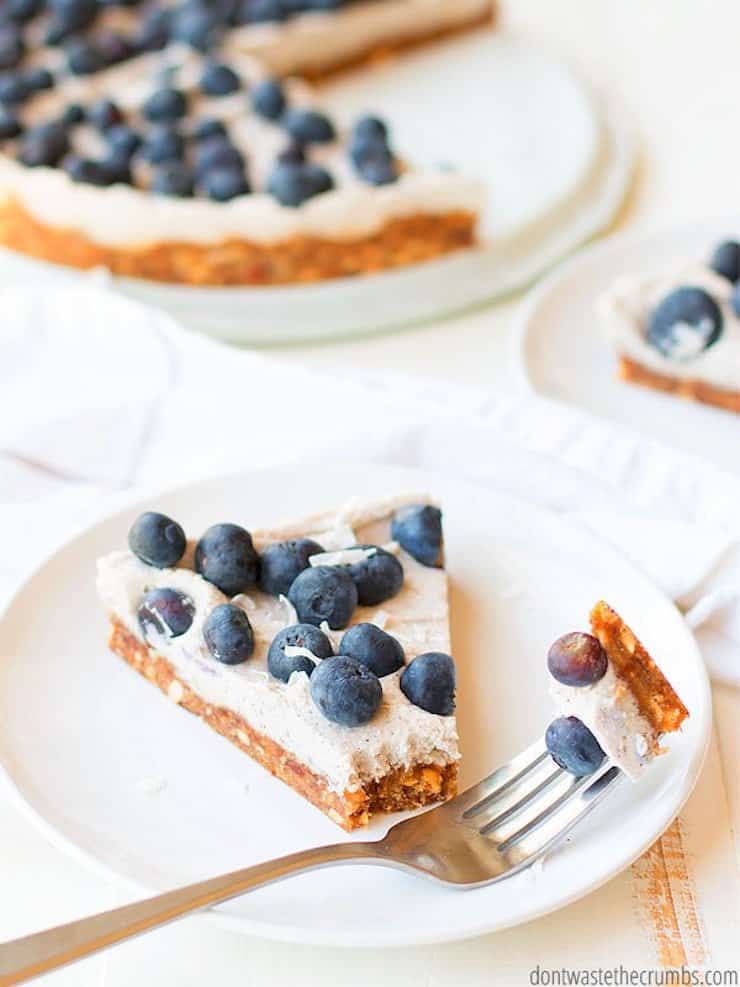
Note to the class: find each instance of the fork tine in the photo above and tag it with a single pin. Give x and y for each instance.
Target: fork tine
(538, 834)
(520, 799)
(475, 799)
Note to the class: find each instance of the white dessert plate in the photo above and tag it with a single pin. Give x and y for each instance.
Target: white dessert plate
(126, 781)
(555, 157)
(560, 353)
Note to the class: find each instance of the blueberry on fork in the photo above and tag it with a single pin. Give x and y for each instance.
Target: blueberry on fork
(573, 747)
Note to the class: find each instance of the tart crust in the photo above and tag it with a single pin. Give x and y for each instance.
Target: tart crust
(403, 241)
(402, 789)
(691, 390)
(653, 693)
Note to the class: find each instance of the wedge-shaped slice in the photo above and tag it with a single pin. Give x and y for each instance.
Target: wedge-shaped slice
(403, 758)
(320, 41)
(631, 706)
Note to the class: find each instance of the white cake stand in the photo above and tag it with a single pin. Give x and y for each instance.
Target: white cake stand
(556, 157)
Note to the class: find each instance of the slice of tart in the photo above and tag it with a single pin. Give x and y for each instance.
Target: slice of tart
(315, 42)
(614, 700)
(680, 334)
(320, 648)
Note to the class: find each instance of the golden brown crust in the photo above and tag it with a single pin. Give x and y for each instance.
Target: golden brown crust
(655, 696)
(409, 240)
(691, 390)
(399, 790)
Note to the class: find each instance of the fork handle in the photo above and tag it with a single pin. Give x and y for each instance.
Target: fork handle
(28, 957)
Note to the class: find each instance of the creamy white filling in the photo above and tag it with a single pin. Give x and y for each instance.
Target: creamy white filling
(610, 711)
(400, 734)
(625, 312)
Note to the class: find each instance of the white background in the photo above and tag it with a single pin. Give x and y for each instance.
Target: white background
(676, 65)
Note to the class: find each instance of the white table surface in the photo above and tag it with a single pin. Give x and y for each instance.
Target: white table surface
(675, 65)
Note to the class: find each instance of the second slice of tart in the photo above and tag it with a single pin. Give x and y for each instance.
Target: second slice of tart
(608, 683)
(404, 754)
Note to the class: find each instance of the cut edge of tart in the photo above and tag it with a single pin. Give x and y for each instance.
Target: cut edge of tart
(403, 757)
(622, 698)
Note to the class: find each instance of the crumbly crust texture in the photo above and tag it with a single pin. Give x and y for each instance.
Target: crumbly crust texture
(654, 694)
(691, 390)
(402, 789)
(403, 241)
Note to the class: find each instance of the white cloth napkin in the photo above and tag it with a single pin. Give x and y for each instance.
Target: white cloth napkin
(100, 395)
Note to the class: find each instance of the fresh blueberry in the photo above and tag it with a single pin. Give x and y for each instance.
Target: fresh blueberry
(429, 683)
(418, 529)
(572, 746)
(293, 154)
(154, 30)
(165, 106)
(68, 17)
(11, 46)
(370, 127)
(577, 659)
(224, 184)
(297, 636)
(726, 260)
(346, 692)
(72, 115)
(157, 540)
(114, 47)
(123, 140)
(82, 57)
(43, 145)
(104, 114)
(293, 184)
(208, 127)
(117, 168)
(259, 11)
(24, 10)
(219, 80)
(268, 99)
(38, 79)
(10, 126)
(173, 179)
(308, 126)
(85, 170)
(13, 88)
(377, 578)
(282, 563)
(380, 652)
(217, 152)
(379, 169)
(687, 322)
(195, 24)
(163, 144)
(226, 557)
(324, 593)
(228, 634)
(165, 611)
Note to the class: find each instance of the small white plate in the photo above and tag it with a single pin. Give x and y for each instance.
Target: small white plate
(560, 353)
(128, 782)
(555, 159)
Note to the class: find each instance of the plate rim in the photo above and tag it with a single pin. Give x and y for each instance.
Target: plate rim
(394, 938)
(526, 310)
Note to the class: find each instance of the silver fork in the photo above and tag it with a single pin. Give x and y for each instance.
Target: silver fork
(491, 831)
